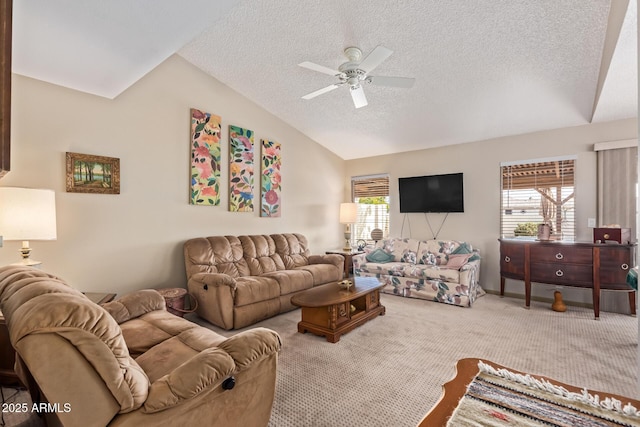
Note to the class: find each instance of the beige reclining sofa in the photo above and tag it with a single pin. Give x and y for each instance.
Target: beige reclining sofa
(239, 281)
(130, 362)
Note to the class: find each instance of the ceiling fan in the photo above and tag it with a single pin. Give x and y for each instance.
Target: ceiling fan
(355, 73)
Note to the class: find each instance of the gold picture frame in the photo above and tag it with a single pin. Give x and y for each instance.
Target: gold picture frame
(92, 174)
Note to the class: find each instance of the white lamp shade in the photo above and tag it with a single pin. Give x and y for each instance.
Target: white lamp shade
(27, 214)
(348, 213)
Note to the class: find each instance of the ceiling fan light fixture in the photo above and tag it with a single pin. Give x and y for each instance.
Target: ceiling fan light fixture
(353, 81)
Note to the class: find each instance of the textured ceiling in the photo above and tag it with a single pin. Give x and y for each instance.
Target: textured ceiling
(483, 69)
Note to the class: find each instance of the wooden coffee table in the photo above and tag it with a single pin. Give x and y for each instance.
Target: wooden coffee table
(331, 311)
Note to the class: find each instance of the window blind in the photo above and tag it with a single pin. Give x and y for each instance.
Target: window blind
(371, 193)
(538, 192)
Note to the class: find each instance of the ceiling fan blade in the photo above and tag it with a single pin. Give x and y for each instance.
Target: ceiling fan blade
(404, 82)
(319, 68)
(321, 91)
(357, 94)
(375, 58)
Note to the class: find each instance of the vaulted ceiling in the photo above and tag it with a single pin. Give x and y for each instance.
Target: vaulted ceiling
(483, 69)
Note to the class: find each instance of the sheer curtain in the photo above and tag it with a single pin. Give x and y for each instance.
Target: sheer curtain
(617, 186)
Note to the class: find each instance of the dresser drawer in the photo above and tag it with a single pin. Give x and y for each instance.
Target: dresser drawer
(614, 265)
(562, 254)
(556, 273)
(512, 260)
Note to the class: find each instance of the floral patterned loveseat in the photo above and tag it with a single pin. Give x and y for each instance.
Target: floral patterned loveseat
(437, 270)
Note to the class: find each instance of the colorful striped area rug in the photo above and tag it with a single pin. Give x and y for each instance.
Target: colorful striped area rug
(499, 397)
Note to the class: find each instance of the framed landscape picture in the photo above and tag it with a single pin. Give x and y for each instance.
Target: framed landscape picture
(92, 174)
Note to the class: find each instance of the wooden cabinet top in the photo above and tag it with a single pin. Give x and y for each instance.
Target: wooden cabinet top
(566, 243)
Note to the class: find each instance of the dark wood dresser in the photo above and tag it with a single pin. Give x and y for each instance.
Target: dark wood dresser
(597, 266)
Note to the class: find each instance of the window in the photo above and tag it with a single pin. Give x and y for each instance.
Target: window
(371, 193)
(538, 192)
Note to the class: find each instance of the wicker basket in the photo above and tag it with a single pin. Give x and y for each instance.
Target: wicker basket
(175, 300)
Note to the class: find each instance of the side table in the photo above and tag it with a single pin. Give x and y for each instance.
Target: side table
(8, 375)
(348, 259)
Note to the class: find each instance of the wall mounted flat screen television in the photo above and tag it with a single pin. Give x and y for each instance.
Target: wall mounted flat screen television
(433, 193)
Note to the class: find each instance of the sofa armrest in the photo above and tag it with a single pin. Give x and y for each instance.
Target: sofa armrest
(135, 304)
(251, 346)
(335, 259)
(210, 367)
(216, 294)
(472, 264)
(358, 260)
(198, 375)
(215, 280)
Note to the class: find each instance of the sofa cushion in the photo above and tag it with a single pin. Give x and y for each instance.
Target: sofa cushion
(436, 252)
(322, 273)
(293, 249)
(432, 272)
(403, 250)
(254, 289)
(260, 254)
(143, 333)
(380, 256)
(140, 336)
(217, 254)
(184, 340)
(387, 268)
(292, 280)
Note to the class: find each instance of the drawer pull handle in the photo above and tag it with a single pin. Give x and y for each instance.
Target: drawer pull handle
(625, 266)
(507, 259)
(559, 256)
(559, 273)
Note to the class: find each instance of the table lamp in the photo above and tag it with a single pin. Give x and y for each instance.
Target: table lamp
(27, 214)
(348, 216)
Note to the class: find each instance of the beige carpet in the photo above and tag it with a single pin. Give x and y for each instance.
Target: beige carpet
(389, 371)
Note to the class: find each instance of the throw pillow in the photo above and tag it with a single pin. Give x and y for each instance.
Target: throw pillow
(379, 256)
(464, 248)
(457, 260)
(474, 257)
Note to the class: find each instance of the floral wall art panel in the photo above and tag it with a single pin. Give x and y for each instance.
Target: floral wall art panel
(240, 169)
(205, 158)
(270, 181)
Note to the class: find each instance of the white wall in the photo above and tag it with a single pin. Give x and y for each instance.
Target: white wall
(480, 163)
(134, 240)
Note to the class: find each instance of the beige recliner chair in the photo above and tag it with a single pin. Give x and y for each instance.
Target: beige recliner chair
(130, 362)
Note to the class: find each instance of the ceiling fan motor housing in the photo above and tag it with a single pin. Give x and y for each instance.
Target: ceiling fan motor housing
(351, 74)
(353, 54)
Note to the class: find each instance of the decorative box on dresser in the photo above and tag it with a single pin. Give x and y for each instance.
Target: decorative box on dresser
(599, 266)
